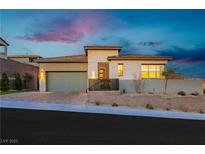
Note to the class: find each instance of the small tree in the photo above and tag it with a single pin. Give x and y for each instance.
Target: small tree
(168, 72)
(4, 82)
(18, 82)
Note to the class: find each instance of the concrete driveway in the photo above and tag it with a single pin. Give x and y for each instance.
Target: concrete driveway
(47, 97)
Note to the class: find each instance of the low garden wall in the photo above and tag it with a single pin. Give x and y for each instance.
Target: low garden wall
(158, 85)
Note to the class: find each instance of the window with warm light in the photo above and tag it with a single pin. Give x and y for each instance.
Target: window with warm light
(152, 71)
(120, 69)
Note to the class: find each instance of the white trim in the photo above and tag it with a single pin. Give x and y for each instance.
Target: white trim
(101, 109)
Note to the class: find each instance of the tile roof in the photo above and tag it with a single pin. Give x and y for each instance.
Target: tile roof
(138, 57)
(64, 59)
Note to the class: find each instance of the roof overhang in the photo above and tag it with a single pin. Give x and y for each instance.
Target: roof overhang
(141, 58)
(3, 42)
(86, 48)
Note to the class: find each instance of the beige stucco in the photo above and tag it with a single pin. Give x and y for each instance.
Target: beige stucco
(45, 67)
(95, 56)
(22, 59)
(132, 68)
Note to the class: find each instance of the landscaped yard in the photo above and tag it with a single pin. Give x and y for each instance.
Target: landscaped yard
(186, 103)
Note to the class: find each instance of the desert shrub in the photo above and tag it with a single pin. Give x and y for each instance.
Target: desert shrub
(115, 105)
(4, 82)
(201, 111)
(97, 103)
(18, 82)
(182, 93)
(149, 106)
(168, 109)
(184, 108)
(195, 93)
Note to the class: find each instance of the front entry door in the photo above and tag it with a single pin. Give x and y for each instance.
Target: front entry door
(103, 70)
(103, 75)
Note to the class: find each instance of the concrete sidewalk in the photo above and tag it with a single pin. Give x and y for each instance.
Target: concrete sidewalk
(100, 109)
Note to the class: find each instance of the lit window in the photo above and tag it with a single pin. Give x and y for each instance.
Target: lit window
(152, 71)
(120, 69)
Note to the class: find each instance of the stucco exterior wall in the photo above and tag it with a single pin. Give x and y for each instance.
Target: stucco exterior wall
(158, 86)
(44, 67)
(23, 60)
(95, 56)
(132, 68)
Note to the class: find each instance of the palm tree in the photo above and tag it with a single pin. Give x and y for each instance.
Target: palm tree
(168, 72)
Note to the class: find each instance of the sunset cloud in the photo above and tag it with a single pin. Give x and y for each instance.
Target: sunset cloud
(150, 43)
(68, 31)
(185, 56)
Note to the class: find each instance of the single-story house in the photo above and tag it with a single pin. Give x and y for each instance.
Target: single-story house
(104, 68)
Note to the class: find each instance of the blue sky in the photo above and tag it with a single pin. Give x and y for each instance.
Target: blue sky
(176, 33)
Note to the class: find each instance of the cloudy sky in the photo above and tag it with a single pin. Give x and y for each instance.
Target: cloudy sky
(176, 33)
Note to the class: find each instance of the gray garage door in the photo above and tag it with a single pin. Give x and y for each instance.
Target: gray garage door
(66, 81)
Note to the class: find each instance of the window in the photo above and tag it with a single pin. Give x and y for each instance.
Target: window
(152, 71)
(120, 69)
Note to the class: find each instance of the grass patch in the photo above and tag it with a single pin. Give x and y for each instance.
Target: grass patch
(149, 106)
(12, 92)
(115, 105)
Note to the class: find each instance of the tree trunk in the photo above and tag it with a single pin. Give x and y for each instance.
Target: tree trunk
(166, 81)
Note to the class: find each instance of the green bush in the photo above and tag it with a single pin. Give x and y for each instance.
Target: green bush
(195, 93)
(182, 93)
(149, 106)
(18, 82)
(115, 105)
(97, 103)
(4, 82)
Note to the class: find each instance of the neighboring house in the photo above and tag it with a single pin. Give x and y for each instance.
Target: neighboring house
(3, 50)
(104, 68)
(29, 59)
(28, 72)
